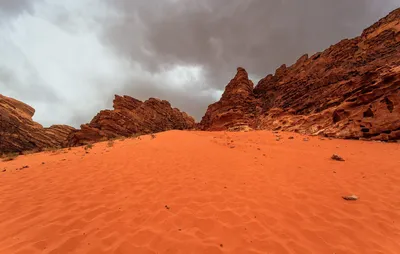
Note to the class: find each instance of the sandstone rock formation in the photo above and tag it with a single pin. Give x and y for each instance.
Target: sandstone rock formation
(237, 106)
(18, 132)
(131, 116)
(351, 90)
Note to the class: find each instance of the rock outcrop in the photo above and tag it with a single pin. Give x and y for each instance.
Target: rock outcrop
(131, 116)
(237, 106)
(18, 132)
(351, 90)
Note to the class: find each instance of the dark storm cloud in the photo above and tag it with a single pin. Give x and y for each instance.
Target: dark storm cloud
(141, 47)
(220, 35)
(13, 7)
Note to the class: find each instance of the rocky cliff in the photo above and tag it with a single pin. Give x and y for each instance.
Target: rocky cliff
(131, 116)
(18, 132)
(237, 106)
(351, 90)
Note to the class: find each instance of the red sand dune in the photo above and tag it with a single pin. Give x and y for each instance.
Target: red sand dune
(202, 192)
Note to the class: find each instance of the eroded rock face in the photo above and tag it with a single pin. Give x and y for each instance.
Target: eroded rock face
(351, 90)
(237, 106)
(131, 116)
(18, 132)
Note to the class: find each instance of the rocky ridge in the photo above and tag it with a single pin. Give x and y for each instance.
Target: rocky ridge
(18, 132)
(237, 106)
(129, 117)
(351, 90)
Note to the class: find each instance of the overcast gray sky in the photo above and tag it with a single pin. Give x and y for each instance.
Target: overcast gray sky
(67, 58)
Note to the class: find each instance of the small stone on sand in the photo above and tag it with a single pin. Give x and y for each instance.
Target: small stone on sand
(350, 198)
(337, 158)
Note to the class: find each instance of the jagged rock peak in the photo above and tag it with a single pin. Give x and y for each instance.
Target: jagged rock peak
(350, 90)
(236, 107)
(240, 85)
(125, 102)
(131, 116)
(241, 72)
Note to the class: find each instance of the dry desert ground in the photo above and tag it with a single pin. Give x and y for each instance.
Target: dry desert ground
(204, 192)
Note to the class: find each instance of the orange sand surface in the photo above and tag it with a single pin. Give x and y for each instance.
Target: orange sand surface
(203, 192)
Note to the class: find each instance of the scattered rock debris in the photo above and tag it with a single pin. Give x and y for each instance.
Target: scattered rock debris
(167, 207)
(350, 198)
(337, 158)
(23, 167)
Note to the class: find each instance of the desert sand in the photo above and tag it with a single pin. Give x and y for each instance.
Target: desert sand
(204, 192)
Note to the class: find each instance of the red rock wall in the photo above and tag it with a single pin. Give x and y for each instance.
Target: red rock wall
(131, 116)
(237, 105)
(351, 90)
(18, 132)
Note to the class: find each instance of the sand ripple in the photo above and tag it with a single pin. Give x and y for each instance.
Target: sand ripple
(199, 192)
